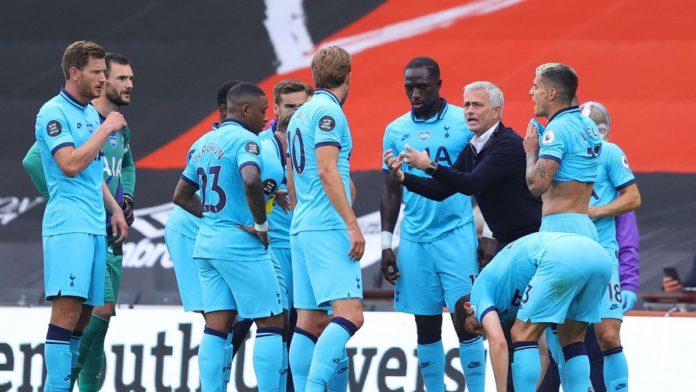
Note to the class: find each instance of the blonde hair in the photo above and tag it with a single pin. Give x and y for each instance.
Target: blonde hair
(562, 77)
(330, 67)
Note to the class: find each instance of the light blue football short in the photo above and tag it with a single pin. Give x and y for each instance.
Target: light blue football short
(180, 249)
(435, 274)
(322, 272)
(570, 281)
(574, 223)
(75, 265)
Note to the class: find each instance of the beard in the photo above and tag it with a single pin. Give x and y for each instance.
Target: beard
(115, 97)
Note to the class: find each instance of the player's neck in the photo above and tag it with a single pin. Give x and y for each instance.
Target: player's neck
(282, 138)
(104, 106)
(74, 92)
(555, 108)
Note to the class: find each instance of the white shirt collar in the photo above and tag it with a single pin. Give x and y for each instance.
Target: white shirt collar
(479, 141)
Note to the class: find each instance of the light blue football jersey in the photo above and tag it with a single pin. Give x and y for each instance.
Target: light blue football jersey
(443, 136)
(501, 284)
(319, 122)
(75, 205)
(214, 166)
(613, 175)
(180, 220)
(273, 176)
(573, 141)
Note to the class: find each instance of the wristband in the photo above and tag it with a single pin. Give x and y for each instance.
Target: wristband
(262, 228)
(386, 240)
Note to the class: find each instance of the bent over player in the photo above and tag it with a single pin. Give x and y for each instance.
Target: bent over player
(537, 280)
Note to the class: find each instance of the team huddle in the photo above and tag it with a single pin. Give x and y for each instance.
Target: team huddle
(263, 230)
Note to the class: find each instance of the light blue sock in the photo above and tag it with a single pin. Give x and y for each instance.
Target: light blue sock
(268, 358)
(577, 367)
(58, 359)
(339, 381)
(283, 384)
(431, 362)
(473, 359)
(211, 360)
(75, 338)
(526, 366)
(229, 350)
(300, 356)
(615, 370)
(557, 354)
(328, 353)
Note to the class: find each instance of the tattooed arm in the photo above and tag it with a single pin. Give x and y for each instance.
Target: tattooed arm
(540, 172)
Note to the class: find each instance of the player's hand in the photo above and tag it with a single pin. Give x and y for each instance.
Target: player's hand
(282, 200)
(114, 122)
(531, 140)
(357, 242)
(486, 250)
(389, 268)
(629, 300)
(119, 227)
(263, 235)
(127, 207)
(594, 212)
(418, 159)
(671, 284)
(394, 164)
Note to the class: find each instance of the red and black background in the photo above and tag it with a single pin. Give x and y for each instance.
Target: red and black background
(637, 57)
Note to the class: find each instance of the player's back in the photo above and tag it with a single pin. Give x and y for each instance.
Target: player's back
(75, 204)
(613, 175)
(215, 166)
(273, 177)
(443, 137)
(501, 284)
(319, 122)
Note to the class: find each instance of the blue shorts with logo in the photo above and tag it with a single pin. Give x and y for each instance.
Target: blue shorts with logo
(281, 279)
(75, 265)
(570, 222)
(248, 286)
(283, 265)
(612, 301)
(180, 249)
(435, 274)
(322, 272)
(569, 283)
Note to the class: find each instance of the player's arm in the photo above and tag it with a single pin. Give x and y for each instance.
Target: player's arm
(119, 227)
(327, 163)
(426, 187)
(628, 200)
(498, 346)
(185, 196)
(290, 184)
(389, 207)
(73, 160)
(253, 189)
(353, 192)
(540, 170)
(128, 180)
(33, 166)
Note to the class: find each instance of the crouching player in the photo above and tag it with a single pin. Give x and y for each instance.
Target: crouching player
(541, 279)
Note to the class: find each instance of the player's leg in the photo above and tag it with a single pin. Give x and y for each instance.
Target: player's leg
(311, 319)
(257, 293)
(608, 333)
(526, 362)
(71, 282)
(91, 357)
(220, 313)
(577, 364)
(418, 291)
(337, 280)
(283, 257)
(457, 267)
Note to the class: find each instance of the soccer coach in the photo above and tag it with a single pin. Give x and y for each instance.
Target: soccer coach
(492, 168)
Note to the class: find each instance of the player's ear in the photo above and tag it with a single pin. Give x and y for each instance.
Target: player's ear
(551, 93)
(73, 71)
(245, 109)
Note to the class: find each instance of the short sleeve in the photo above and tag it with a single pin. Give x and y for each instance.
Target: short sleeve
(386, 144)
(552, 145)
(53, 130)
(481, 298)
(620, 173)
(249, 153)
(190, 175)
(329, 127)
